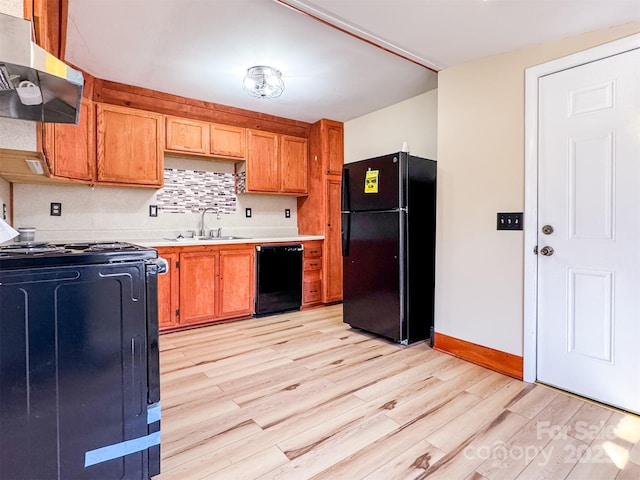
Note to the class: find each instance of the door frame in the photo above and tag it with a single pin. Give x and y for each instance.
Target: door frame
(532, 76)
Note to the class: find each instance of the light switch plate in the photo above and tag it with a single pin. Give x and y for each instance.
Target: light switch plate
(153, 210)
(510, 221)
(247, 212)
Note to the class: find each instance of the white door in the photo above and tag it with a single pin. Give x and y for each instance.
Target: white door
(589, 215)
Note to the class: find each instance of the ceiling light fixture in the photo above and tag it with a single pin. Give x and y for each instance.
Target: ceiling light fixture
(263, 82)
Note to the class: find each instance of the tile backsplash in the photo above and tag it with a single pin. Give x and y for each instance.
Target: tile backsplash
(187, 191)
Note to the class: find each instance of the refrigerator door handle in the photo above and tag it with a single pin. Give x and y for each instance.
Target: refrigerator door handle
(346, 233)
(345, 198)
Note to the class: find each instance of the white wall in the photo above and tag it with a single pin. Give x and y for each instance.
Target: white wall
(479, 270)
(413, 121)
(117, 213)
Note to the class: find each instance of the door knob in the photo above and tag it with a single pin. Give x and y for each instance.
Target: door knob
(547, 229)
(546, 251)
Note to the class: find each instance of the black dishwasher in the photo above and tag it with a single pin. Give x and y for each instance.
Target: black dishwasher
(278, 278)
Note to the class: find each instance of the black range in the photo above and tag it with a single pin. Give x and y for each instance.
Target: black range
(79, 365)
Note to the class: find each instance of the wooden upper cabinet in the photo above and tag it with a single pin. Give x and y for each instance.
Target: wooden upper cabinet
(262, 170)
(70, 149)
(333, 146)
(227, 141)
(293, 164)
(276, 163)
(203, 138)
(188, 136)
(130, 146)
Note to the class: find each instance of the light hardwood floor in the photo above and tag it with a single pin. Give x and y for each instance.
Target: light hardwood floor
(302, 396)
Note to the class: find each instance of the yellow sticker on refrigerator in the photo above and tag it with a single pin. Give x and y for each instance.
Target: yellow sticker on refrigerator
(371, 181)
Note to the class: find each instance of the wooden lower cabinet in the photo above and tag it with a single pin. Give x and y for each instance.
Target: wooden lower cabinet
(198, 286)
(236, 282)
(168, 290)
(312, 274)
(205, 284)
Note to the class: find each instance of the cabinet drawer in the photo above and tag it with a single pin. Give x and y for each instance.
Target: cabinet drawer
(313, 252)
(312, 291)
(312, 264)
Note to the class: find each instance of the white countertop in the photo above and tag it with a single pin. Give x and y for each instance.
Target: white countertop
(186, 242)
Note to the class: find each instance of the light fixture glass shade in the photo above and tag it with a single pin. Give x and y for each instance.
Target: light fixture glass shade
(263, 82)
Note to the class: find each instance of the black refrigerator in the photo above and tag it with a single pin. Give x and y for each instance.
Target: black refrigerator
(388, 246)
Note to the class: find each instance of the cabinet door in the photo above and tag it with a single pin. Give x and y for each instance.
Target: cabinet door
(188, 136)
(130, 146)
(293, 164)
(236, 282)
(332, 270)
(263, 174)
(198, 285)
(168, 291)
(227, 141)
(334, 145)
(70, 149)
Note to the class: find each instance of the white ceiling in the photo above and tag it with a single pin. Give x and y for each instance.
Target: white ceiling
(201, 48)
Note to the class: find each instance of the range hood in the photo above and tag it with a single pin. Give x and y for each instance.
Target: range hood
(35, 85)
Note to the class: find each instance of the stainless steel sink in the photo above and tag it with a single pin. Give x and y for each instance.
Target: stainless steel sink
(206, 239)
(228, 237)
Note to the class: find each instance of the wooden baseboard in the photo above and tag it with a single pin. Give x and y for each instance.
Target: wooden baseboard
(496, 360)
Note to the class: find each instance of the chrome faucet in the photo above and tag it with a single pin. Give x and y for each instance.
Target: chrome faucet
(203, 232)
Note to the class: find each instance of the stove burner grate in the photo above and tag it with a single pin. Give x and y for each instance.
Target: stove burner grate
(23, 245)
(101, 246)
(26, 250)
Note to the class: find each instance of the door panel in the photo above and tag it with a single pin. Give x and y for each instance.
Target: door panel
(589, 179)
(236, 282)
(332, 275)
(198, 286)
(371, 290)
(385, 196)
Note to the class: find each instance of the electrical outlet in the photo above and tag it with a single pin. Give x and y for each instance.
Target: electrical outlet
(153, 210)
(287, 213)
(247, 212)
(4, 211)
(510, 221)
(55, 209)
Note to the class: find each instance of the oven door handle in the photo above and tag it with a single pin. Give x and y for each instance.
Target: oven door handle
(161, 263)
